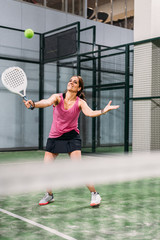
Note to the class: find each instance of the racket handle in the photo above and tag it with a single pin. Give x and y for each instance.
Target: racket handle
(25, 98)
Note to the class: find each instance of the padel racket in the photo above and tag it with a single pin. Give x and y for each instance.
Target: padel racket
(15, 80)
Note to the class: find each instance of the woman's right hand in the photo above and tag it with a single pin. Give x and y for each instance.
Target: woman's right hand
(29, 103)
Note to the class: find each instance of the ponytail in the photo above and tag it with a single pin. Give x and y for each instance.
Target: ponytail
(81, 94)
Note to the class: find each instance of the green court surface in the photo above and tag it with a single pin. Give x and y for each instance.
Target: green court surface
(26, 156)
(113, 149)
(129, 210)
(18, 156)
(38, 155)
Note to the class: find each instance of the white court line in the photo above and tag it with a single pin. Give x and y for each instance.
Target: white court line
(38, 225)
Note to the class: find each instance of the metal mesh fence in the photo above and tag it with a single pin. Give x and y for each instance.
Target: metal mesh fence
(130, 78)
(146, 95)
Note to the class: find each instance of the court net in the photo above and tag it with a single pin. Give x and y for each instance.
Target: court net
(21, 177)
(128, 185)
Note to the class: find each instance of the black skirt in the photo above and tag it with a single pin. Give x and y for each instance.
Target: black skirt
(66, 143)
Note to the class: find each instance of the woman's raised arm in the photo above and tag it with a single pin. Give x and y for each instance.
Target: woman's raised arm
(95, 113)
(52, 100)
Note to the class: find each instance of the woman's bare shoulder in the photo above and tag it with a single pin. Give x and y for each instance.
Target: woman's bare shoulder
(81, 102)
(56, 98)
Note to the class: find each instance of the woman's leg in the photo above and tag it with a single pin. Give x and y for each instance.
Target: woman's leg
(76, 155)
(49, 157)
(48, 197)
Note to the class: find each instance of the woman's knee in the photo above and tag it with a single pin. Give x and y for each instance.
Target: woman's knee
(48, 157)
(75, 155)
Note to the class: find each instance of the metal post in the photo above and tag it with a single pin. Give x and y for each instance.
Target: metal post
(126, 122)
(73, 6)
(125, 13)
(78, 59)
(94, 107)
(45, 3)
(96, 8)
(80, 8)
(85, 8)
(111, 12)
(99, 96)
(41, 90)
(58, 77)
(94, 93)
(63, 5)
(94, 39)
(78, 49)
(66, 6)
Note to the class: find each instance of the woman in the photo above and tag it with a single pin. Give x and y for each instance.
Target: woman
(64, 134)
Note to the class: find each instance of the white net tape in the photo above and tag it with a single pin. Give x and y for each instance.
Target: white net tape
(36, 176)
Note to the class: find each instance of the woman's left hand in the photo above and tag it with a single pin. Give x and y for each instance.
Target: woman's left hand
(109, 107)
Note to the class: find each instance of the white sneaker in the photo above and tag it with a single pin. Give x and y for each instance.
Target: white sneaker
(95, 199)
(46, 199)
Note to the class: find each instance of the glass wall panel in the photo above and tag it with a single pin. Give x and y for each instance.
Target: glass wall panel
(50, 87)
(19, 125)
(112, 124)
(14, 44)
(86, 125)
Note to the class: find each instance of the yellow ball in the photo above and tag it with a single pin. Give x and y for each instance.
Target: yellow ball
(28, 33)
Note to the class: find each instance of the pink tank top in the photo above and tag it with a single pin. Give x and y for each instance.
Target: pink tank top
(64, 120)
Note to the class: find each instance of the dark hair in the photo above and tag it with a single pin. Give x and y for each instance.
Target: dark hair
(80, 93)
